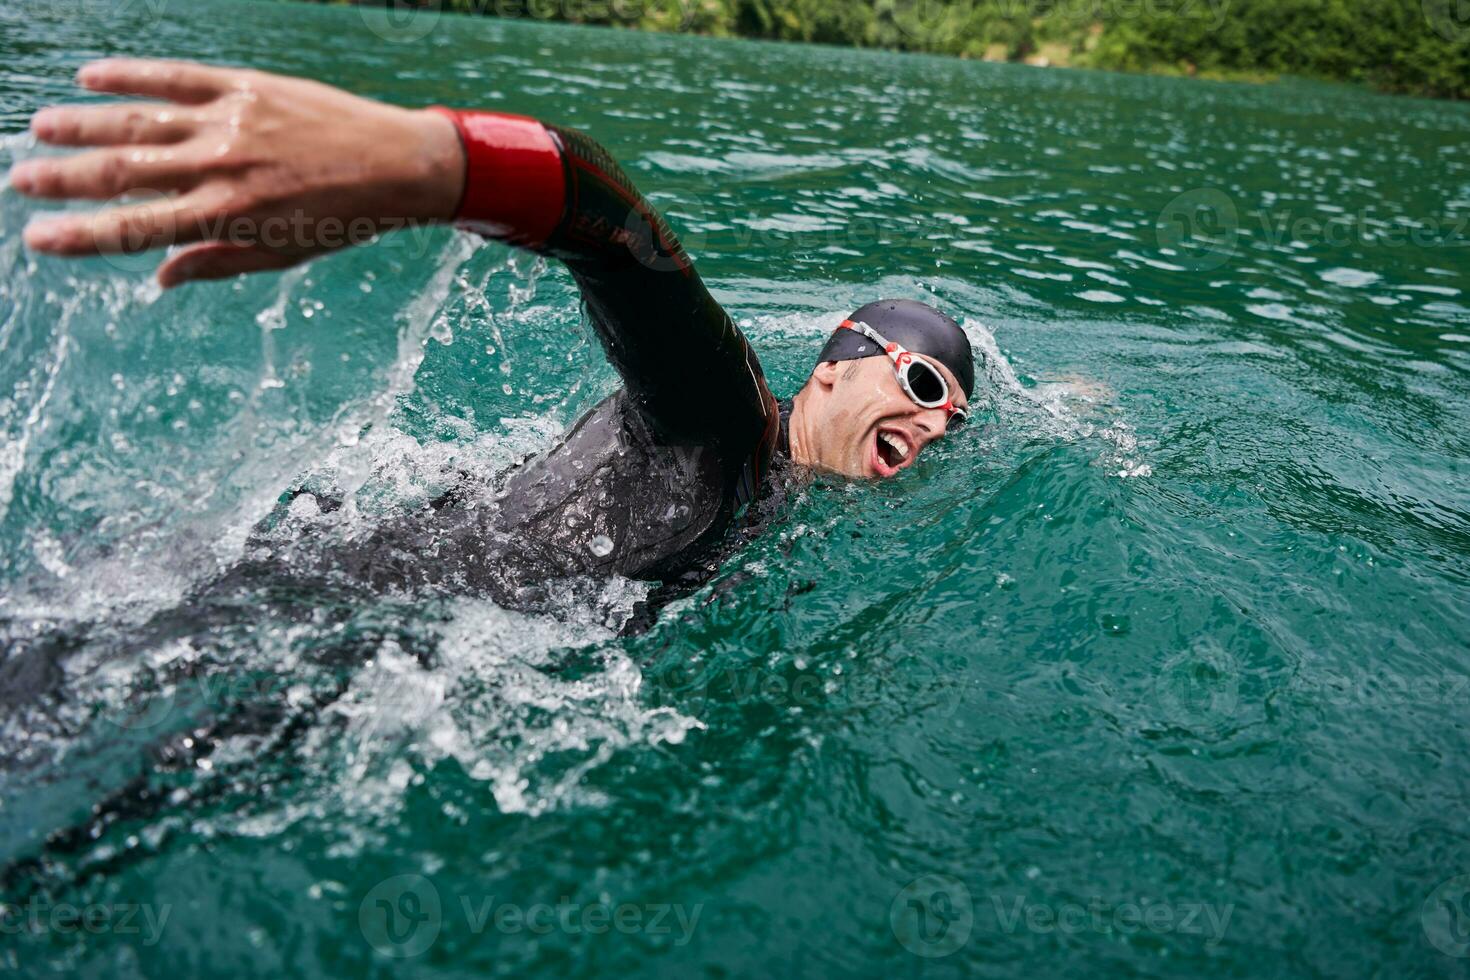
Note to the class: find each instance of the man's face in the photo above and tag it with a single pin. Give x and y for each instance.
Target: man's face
(861, 422)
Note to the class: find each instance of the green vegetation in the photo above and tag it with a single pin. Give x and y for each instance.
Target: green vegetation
(1413, 46)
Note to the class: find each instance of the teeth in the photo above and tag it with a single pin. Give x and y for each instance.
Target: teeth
(899, 446)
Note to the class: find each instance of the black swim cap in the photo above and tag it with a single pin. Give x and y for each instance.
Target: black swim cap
(919, 327)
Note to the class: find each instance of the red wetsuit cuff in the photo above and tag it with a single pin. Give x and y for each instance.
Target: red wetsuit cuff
(514, 188)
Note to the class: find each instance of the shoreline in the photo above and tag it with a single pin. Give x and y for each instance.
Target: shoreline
(1422, 55)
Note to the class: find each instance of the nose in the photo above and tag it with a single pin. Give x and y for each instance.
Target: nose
(932, 422)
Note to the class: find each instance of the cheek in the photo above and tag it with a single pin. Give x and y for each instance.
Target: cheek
(887, 401)
(865, 400)
(881, 393)
(848, 425)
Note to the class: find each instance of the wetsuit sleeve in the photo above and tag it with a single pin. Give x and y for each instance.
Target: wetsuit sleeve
(558, 192)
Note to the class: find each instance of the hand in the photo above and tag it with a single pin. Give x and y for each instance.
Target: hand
(259, 171)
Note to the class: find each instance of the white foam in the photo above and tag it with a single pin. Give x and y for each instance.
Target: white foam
(1070, 409)
(497, 700)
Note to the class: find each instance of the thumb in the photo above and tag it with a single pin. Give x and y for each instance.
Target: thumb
(219, 260)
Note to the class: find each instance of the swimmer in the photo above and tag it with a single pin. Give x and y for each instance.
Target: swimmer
(652, 481)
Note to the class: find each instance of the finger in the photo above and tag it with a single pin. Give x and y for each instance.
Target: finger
(176, 81)
(219, 260)
(102, 174)
(158, 124)
(131, 228)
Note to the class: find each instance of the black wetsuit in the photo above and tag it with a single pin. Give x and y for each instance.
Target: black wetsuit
(648, 483)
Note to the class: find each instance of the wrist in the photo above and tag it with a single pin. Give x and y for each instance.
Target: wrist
(513, 183)
(441, 166)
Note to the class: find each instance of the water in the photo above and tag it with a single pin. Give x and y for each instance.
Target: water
(1162, 670)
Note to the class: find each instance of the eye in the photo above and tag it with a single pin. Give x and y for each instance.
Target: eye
(925, 382)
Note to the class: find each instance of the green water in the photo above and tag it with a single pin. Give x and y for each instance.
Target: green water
(1161, 671)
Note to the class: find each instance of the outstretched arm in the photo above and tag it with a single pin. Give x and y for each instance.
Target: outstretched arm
(558, 192)
(257, 171)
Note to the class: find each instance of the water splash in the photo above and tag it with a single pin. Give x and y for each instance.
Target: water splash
(1069, 409)
(507, 693)
(492, 695)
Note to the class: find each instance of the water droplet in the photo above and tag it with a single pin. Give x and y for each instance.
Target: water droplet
(601, 546)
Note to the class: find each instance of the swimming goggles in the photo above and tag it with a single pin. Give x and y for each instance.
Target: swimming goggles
(918, 378)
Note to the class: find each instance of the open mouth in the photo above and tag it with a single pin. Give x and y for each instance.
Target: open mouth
(892, 451)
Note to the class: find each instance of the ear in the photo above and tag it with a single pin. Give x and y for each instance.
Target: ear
(825, 374)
